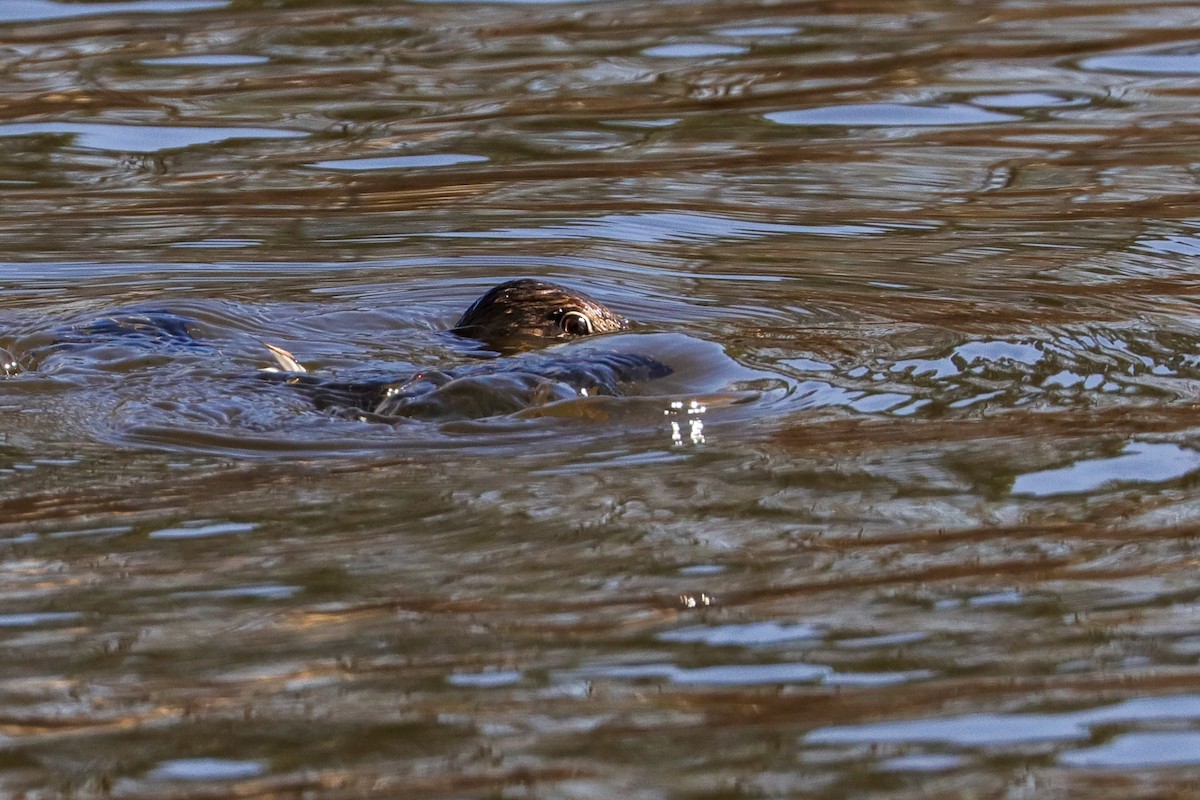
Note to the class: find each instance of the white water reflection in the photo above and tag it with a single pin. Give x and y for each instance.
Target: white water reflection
(1165, 749)
(273, 591)
(749, 634)
(725, 675)
(203, 531)
(43, 10)
(759, 30)
(890, 114)
(206, 769)
(693, 50)
(1139, 462)
(751, 674)
(140, 138)
(1171, 244)
(401, 162)
(977, 730)
(219, 244)
(36, 619)
(1145, 63)
(922, 762)
(215, 60)
(1029, 100)
(485, 680)
(658, 227)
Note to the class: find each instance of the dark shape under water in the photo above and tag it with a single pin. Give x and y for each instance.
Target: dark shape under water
(495, 388)
(509, 320)
(154, 328)
(512, 316)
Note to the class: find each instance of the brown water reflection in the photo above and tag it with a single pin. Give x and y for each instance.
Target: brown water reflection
(947, 551)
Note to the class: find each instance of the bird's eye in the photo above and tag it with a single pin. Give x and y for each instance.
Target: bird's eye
(575, 323)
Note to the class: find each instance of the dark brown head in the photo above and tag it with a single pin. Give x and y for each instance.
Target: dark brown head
(526, 312)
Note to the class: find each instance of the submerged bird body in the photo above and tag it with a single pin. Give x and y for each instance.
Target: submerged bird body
(510, 320)
(494, 388)
(511, 317)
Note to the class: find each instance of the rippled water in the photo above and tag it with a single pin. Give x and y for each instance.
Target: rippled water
(913, 515)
